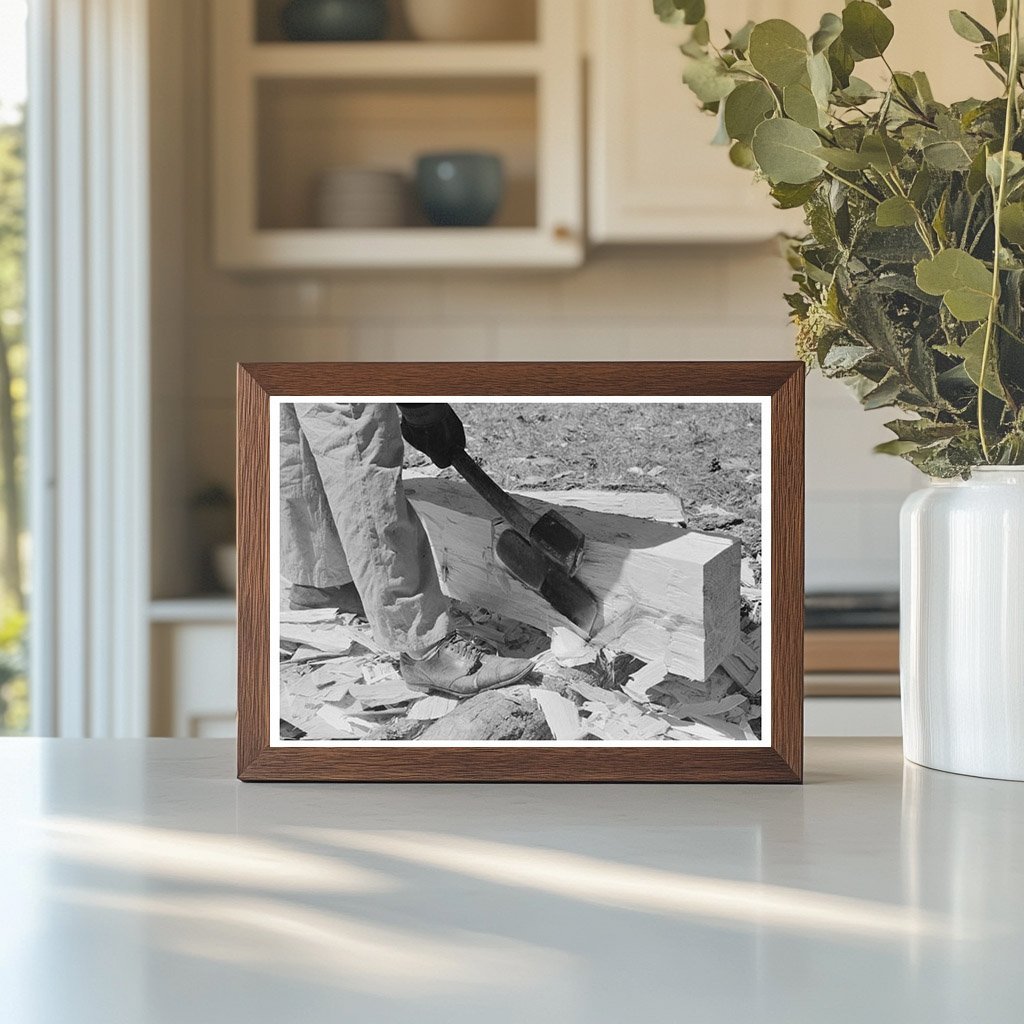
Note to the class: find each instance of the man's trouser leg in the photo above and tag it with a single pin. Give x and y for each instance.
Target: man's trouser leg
(356, 451)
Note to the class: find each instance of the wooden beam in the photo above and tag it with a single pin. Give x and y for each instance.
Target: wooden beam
(666, 594)
(660, 505)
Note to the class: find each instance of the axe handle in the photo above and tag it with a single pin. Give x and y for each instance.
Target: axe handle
(509, 509)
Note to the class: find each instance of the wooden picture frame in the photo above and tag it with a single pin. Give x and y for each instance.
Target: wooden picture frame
(780, 756)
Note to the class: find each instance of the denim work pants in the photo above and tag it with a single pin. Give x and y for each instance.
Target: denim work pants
(345, 517)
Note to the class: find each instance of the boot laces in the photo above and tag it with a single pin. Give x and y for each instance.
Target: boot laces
(473, 646)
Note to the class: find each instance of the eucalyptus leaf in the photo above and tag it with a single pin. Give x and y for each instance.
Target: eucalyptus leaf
(999, 7)
(819, 75)
(969, 28)
(844, 159)
(786, 152)
(842, 61)
(963, 281)
(779, 51)
(976, 178)
(1014, 169)
(675, 12)
(922, 185)
(883, 153)
(895, 212)
(923, 431)
(1012, 225)
(739, 41)
(866, 29)
(924, 87)
(947, 156)
(800, 105)
(789, 197)
(708, 80)
(721, 136)
(884, 395)
(741, 155)
(895, 447)
(745, 108)
(972, 353)
(829, 30)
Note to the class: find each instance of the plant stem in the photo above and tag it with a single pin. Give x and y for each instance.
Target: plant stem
(923, 228)
(849, 184)
(1000, 199)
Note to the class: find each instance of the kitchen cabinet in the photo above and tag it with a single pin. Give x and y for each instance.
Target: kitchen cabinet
(287, 113)
(653, 175)
(192, 648)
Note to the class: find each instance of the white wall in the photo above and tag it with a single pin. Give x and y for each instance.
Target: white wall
(669, 303)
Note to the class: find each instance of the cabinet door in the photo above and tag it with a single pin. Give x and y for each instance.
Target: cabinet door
(654, 175)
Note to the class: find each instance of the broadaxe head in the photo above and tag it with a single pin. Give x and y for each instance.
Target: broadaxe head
(559, 541)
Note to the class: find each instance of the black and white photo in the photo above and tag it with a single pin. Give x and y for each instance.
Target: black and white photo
(545, 571)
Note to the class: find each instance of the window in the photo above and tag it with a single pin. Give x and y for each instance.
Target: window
(14, 548)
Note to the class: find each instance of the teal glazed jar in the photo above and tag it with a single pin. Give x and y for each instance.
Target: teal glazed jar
(461, 190)
(334, 21)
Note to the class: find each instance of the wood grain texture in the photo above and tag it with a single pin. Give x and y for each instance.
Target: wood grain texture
(781, 762)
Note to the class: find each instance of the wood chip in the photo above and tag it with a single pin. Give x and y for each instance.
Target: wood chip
(645, 679)
(343, 723)
(570, 650)
(708, 708)
(386, 693)
(309, 616)
(304, 653)
(747, 573)
(431, 708)
(724, 729)
(590, 692)
(379, 672)
(337, 720)
(739, 670)
(332, 639)
(331, 673)
(562, 715)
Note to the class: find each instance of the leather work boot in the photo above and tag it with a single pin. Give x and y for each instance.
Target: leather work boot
(343, 599)
(459, 666)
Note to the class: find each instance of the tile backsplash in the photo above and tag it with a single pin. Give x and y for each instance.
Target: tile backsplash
(717, 302)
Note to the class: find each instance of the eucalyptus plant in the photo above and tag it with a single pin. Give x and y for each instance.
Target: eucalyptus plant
(910, 278)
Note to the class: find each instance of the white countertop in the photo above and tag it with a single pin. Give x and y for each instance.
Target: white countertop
(143, 885)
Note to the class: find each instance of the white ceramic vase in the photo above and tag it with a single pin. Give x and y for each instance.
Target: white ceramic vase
(962, 624)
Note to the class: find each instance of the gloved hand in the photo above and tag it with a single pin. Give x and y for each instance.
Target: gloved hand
(435, 430)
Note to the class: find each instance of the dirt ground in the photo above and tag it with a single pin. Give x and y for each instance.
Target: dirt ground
(709, 455)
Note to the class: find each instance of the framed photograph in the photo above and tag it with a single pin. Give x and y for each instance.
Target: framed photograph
(520, 572)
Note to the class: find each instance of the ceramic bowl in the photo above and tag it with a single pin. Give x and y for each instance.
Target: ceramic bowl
(460, 189)
(360, 197)
(471, 20)
(334, 20)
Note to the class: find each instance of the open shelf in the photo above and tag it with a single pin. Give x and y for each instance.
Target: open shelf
(520, 17)
(288, 113)
(307, 127)
(392, 60)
